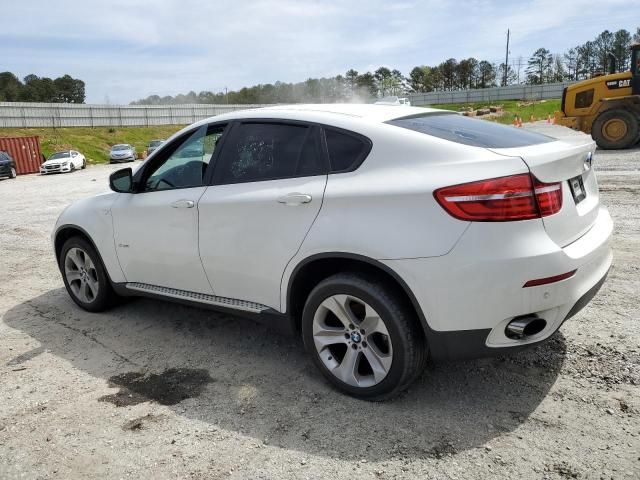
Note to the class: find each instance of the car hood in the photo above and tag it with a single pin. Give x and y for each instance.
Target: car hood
(56, 161)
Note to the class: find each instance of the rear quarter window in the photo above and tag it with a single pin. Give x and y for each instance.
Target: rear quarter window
(346, 150)
(470, 131)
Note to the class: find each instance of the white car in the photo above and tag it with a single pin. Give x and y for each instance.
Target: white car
(383, 235)
(62, 162)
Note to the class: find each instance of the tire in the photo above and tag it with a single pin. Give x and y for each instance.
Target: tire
(348, 354)
(73, 168)
(85, 277)
(615, 129)
(84, 164)
(13, 173)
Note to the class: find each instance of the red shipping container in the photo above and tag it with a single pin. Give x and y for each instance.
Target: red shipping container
(25, 151)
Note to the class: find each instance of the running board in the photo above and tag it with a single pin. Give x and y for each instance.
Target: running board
(198, 297)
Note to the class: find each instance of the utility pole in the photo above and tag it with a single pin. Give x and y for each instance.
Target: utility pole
(226, 95)
(506, 62)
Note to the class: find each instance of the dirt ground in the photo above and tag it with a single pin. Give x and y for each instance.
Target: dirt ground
(157, 390)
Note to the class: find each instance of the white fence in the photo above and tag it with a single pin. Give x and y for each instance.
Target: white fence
(511, 92)
(17, 114)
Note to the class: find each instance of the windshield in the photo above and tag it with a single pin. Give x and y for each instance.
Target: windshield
(115, 148)
(155, 143)
(470, 131)
(60, 155)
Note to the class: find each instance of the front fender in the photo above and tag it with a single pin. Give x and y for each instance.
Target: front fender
(93, 217)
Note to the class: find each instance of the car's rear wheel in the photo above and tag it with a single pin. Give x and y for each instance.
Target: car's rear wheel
(85, 278)
(363, 339)
(13, 173)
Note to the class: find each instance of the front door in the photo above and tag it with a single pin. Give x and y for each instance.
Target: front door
(268, 187)
(156, 229)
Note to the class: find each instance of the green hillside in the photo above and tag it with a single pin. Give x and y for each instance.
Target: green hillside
(539, 109)
(94, 143)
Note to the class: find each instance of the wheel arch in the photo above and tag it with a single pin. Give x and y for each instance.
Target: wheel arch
(315, 268)
(631, 104)
(65, 232)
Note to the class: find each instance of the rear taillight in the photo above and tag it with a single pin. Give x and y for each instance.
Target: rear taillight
(504, 199)
(548, 196)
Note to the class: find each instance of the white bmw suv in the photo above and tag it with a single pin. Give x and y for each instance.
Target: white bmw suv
(384, 235)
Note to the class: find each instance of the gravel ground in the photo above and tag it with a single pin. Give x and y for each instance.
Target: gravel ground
(157, 390)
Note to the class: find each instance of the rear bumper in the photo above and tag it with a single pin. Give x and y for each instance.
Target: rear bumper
(468, 344)
(470, 295)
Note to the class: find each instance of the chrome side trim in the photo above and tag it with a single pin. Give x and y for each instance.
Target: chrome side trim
(198, 297)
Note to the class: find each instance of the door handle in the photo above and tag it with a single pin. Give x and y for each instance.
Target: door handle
(295, 199)
(183, 204)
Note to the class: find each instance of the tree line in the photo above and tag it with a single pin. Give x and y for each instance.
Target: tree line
(577, 63)
(32, 88)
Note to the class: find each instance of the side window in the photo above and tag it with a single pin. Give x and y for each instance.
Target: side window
(184, 165)
(268, 151)
(584, 99)
(346, 152)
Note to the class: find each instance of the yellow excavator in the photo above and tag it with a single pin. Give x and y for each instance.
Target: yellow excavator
(606, 106)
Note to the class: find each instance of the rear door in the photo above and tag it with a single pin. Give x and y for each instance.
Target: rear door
(267, 191)
(568, 162)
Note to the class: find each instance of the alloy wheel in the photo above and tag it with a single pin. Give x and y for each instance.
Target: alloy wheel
(81, 275)
(352, 341)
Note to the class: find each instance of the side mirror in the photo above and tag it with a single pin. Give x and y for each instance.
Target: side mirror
(121, 181)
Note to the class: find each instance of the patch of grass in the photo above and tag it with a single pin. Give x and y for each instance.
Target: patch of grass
(94, 143)
(524, 109)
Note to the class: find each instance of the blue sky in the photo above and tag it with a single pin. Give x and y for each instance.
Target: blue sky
(125, 50)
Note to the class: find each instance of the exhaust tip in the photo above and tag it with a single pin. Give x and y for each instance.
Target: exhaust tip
(523, 327)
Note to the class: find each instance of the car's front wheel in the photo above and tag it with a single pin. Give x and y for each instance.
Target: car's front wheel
(13, 173)
(84, 164)
(85, 278)
(362, 337)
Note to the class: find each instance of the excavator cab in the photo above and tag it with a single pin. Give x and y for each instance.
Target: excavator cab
(635, 69)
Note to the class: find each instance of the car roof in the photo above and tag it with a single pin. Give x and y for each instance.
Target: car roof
(311, 112)
(120, 145)
(325, 113)
(351, 116)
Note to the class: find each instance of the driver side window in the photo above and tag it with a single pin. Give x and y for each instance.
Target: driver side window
(184, 165)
